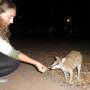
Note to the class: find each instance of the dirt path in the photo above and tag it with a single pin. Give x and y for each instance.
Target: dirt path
(27, 78)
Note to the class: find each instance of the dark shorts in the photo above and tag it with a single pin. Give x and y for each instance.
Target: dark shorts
(7, 65)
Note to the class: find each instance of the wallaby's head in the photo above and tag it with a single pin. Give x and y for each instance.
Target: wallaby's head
(57, 63)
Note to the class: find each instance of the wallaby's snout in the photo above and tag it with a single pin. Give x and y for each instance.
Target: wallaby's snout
(50, 68)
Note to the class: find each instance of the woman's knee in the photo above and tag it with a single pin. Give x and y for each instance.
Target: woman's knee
(14, 64)
(8, 65)
(9, 68)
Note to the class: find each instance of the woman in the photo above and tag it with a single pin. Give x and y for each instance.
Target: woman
(9, 56)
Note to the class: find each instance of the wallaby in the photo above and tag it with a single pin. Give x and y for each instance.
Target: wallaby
(68, 64)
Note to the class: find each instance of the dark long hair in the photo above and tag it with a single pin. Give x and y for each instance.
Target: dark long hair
(6, 4)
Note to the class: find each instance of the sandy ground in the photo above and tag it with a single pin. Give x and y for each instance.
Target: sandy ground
(26, 77)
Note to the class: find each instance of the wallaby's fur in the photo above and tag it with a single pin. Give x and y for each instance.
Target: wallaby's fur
(68, 64)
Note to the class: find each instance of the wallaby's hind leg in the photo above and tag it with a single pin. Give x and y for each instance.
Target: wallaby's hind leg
(79, 69)
(71, 77)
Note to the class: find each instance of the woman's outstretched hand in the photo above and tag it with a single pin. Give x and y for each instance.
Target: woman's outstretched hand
(41, 67)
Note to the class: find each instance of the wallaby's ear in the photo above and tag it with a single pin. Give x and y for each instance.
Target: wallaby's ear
(57, 58)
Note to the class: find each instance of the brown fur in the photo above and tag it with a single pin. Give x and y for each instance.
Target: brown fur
(69, 63)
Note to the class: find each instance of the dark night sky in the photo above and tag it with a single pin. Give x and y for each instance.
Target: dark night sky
(43, 14)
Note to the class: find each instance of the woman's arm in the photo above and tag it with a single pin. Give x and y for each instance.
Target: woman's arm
(8, 50)
(25, 58)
